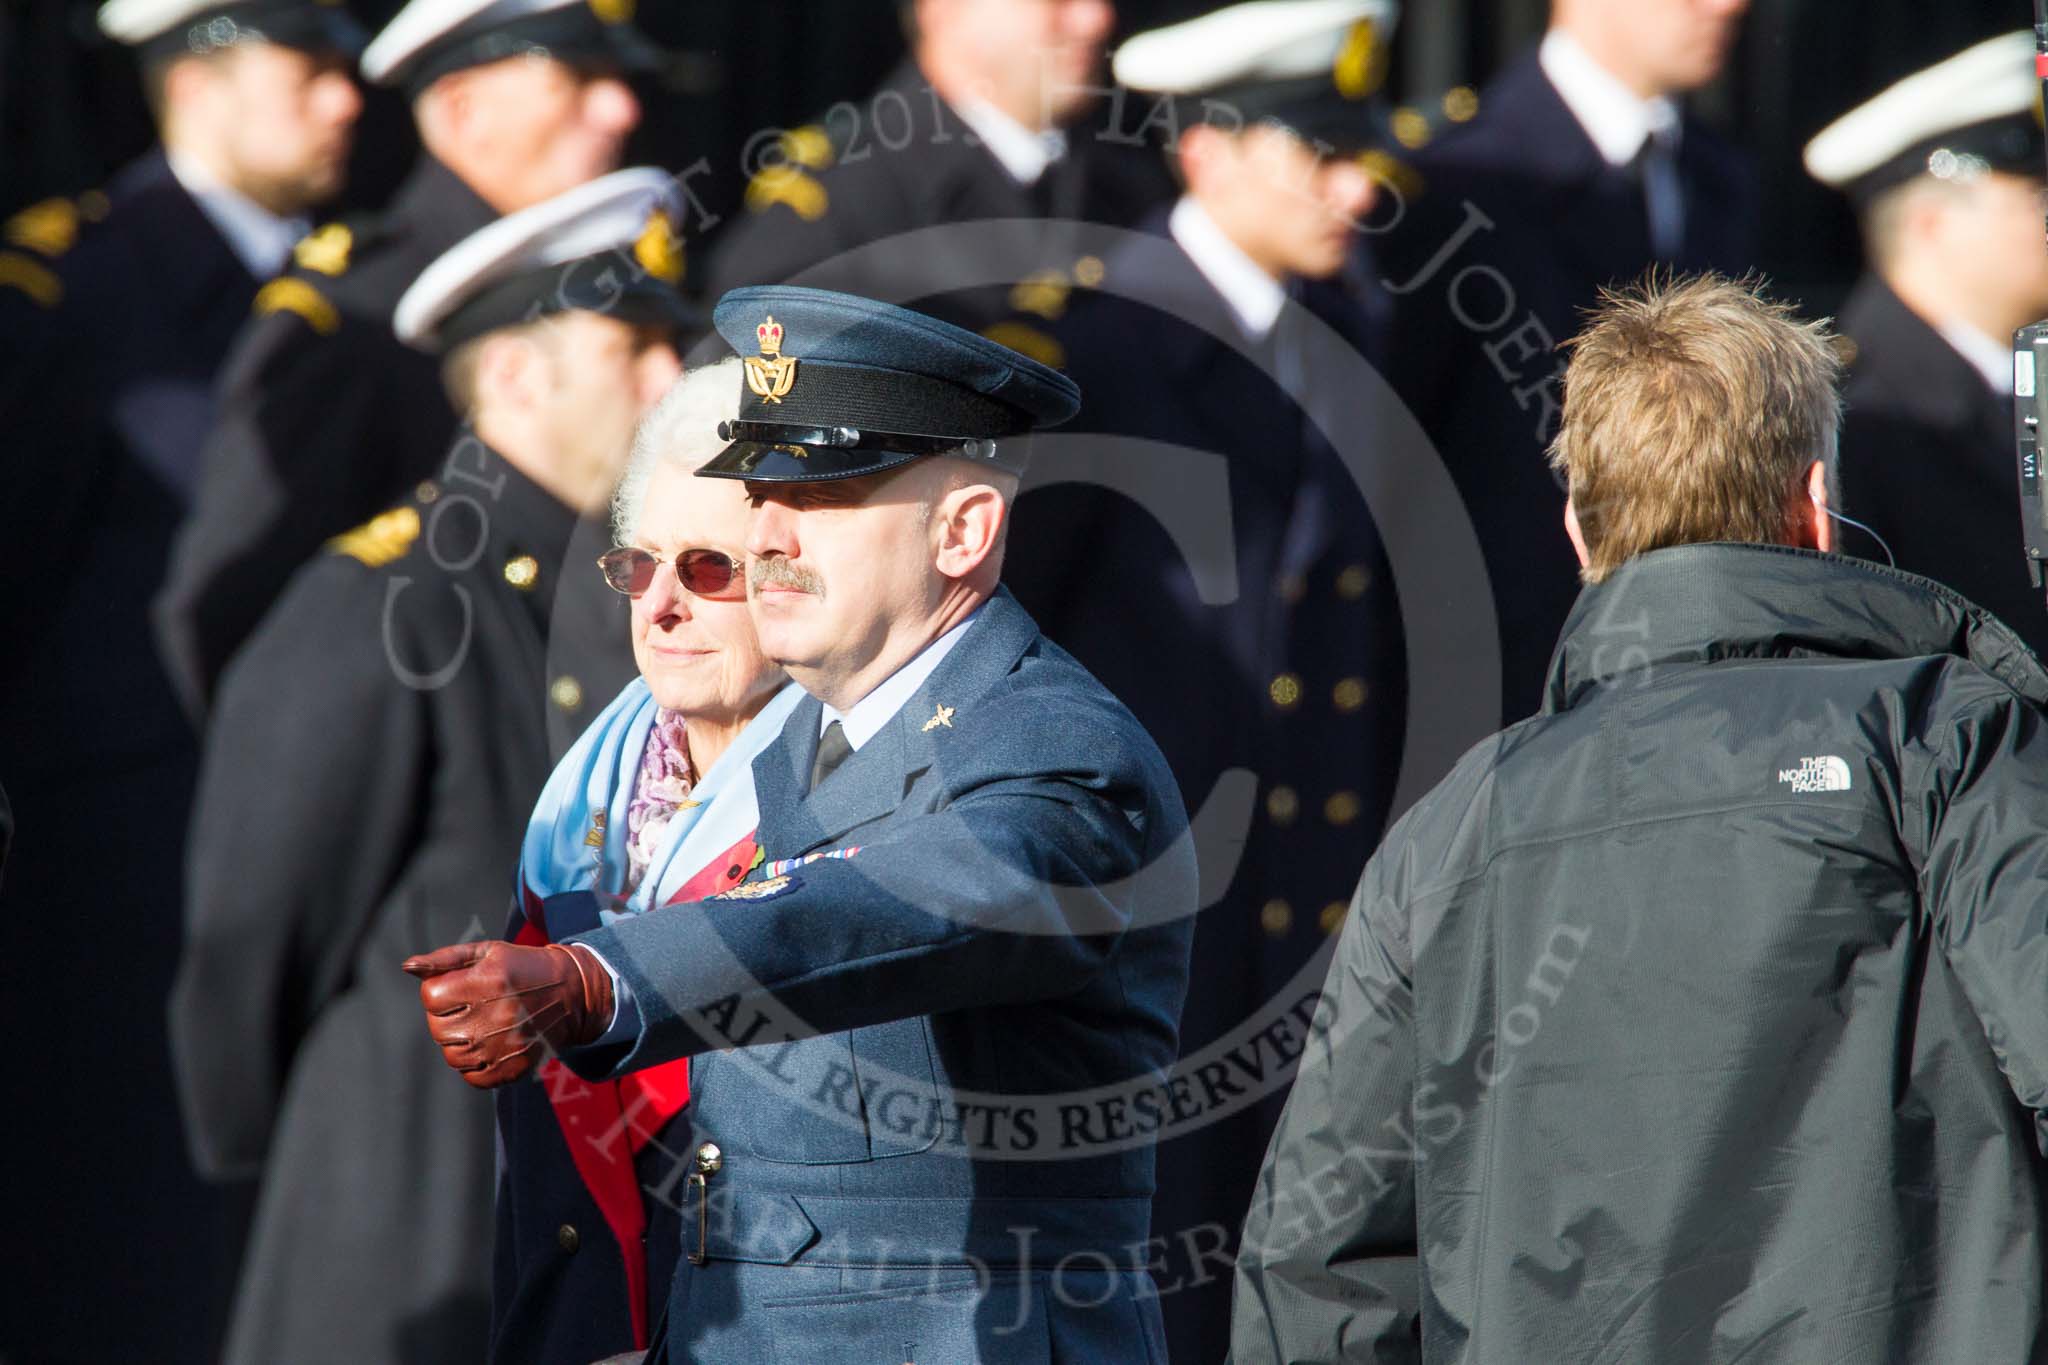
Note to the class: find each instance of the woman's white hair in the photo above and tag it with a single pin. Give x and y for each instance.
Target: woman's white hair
(682, 427)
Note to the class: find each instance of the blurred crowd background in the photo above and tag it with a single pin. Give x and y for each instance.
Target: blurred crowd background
(71, 110)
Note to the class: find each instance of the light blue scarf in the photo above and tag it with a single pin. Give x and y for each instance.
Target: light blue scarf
(576, 840)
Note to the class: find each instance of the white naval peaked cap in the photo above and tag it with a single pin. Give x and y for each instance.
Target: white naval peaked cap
(1982, 103)
(170, 27)
(429, 38)
(1261, 42)
(524, 266)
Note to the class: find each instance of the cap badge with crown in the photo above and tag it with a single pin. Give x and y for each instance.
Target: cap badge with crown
(770, 374)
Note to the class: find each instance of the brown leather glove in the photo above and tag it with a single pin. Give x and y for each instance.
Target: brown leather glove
(497, 1008)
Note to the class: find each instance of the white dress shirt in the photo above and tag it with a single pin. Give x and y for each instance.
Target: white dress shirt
(1254, 297)
(1023, 153)
(1620, 122)
(260, 239)
(868, 715)
(1986, 354)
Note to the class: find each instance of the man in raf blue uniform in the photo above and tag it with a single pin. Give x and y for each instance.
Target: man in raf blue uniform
(117, 308)
(325, 417)
(1223, 332)
(932, 1031)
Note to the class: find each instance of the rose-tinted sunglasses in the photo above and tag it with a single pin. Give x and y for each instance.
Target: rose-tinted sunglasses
(630, 570)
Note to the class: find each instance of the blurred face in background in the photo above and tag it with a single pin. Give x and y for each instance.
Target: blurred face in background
(1976, 246)
(1033, 59)
(1292, 210)
(1657, 47)
(270, 121)
(563, 394)
(603, 376)
(699, 654)
(525, 129)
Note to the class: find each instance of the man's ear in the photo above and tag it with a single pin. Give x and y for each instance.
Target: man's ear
(1815, 527)
(1578, 538)
(511, 372)
(967, 529)
(187, 81)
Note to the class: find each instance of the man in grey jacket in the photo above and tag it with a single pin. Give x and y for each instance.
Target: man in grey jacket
(1699, 1016)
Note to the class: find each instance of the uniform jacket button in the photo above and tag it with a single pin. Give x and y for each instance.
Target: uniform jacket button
(567, 1238)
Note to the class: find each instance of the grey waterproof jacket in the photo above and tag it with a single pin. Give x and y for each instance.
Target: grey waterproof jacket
(1701, 1017)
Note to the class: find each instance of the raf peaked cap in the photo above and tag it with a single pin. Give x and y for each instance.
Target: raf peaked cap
(1313, 66)
(837, 386)
(1978, 111)
(430, 38)
(608, 246)
(162, 29)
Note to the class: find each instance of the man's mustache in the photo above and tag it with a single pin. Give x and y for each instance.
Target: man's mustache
(780, 573)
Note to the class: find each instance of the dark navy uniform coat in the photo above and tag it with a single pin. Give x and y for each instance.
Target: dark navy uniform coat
(1289, 695)
(956, 1164)
(903, 160)
(1927, 460)
(1479, 304)
(116, 311)
(325, 417)
(369, 770)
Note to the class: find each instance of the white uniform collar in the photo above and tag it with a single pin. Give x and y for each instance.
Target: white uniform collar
(1022, 152)
(1255, 298)
(880, 706)
(1614, 116)
(260, 239)
(1985, 353)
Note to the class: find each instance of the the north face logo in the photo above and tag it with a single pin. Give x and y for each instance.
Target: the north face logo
(1826, 773)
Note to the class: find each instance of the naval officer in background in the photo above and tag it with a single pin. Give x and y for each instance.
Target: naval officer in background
(1222, 332)
(325, 416)
(971, 919)
(1945, 169)
(117, 310)
(368, 773)
(1573, 170)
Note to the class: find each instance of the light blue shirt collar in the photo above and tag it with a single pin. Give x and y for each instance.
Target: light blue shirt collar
(879, 707)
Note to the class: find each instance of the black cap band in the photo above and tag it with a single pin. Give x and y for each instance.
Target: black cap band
(826, 395)
(2011, 143)
(571, 34)
(1311, 107)
(306, 25)
(609, 283)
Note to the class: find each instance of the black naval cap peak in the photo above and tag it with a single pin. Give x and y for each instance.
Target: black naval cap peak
(162, 29)
(428, 39)
(1977, 111)
(837, 386)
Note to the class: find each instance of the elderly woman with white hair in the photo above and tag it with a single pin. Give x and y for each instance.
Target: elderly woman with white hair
(654, 804)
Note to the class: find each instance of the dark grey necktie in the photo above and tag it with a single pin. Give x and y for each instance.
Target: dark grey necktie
(832, 751)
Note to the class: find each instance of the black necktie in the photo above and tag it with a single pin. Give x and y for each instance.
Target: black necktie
(832, 751)
(1656, 170)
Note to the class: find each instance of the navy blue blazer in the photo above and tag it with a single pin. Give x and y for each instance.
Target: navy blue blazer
(953, 1158)
(1479, 305)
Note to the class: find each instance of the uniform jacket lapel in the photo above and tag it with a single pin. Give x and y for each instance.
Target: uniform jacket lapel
(871, 783)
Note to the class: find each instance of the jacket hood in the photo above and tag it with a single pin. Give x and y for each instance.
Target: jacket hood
(1704, 603)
